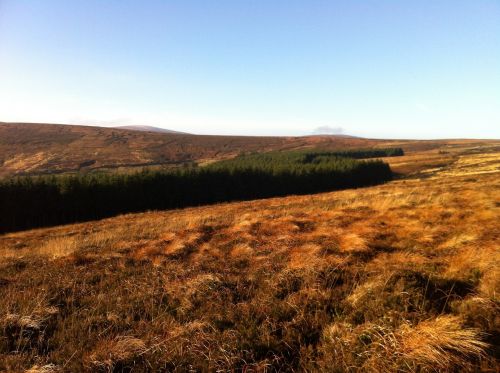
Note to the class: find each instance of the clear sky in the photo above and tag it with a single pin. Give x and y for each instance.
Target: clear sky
(399, 68)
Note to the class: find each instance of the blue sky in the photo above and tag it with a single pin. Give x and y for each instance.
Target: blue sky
(393, 69)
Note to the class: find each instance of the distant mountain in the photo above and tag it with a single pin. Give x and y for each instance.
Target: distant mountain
(148, 129)
(335, 135)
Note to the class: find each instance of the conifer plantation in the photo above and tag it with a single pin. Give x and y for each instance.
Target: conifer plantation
(51, 200)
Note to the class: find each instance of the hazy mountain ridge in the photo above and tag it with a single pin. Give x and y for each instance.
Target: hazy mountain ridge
(148, 129)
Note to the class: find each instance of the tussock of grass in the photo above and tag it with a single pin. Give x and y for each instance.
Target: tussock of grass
(48, 368)
(439, 344)
(111, 355)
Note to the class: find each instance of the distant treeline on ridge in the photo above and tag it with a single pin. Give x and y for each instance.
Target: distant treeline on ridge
(303, 157)
(28, 202)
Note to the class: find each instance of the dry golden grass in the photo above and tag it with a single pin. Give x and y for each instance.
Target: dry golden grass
(48, 368)
(397, 277)
(121, 350)
(437, 345)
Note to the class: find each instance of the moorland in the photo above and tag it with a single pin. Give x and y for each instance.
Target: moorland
(34, 149)
(401, 276)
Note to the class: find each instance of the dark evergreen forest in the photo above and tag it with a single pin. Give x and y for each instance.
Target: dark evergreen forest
(28, 202)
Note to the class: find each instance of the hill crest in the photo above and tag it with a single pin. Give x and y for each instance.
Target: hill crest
(148, 129)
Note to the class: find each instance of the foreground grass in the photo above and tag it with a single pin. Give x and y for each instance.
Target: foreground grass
(398, 277)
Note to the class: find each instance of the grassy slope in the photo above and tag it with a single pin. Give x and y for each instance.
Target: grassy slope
(403, 276)
(47, 148)
(42, 148)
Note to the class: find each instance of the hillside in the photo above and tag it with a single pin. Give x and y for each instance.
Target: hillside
(50, 148)
(147, 129)
(400, 277)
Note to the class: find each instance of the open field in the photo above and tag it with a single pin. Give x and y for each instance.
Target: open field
(403, 276)
(32, 148)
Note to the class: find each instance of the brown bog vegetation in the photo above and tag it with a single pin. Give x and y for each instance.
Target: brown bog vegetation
(34, 149)
(400, 277)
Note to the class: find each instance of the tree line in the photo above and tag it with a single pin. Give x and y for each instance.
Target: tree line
(299, 158)
(28, 202)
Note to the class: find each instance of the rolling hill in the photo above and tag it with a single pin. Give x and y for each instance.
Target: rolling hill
(31, 148)
(147, 129)
(27, 148)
